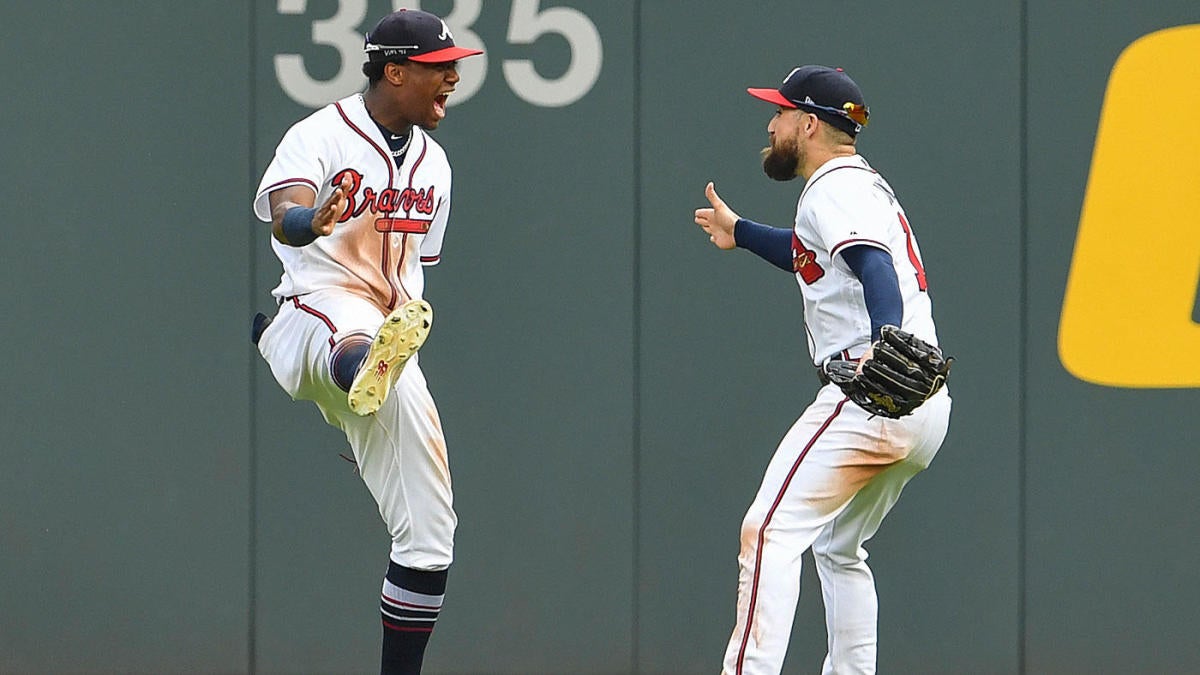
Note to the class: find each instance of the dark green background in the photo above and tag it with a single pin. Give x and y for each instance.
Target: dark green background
(611, 385)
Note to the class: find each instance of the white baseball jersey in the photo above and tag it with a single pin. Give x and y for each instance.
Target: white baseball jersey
(847, 203)
(395, 218)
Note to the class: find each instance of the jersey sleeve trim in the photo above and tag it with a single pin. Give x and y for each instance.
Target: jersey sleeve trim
(430, 260)
(843, 245)
(262, 206)
(290, 181)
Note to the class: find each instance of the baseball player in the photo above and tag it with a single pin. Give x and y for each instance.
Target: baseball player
(839, 469)
(358, 196)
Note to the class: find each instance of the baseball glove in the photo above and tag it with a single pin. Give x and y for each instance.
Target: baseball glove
(902, 373)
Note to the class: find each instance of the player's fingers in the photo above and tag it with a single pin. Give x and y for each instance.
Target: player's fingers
(327, 215)
(336, 204)
(328, 209)
(710, 191)
(325, 219)
(339, 195)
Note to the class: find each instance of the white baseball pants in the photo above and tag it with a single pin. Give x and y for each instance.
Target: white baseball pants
(400, 450)
(831, 481)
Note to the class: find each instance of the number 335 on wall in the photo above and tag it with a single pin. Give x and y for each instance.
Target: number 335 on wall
(527, 22)
(1127, 317)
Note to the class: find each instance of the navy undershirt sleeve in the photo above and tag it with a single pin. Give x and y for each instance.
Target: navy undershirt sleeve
(881, 289)
(773, 244)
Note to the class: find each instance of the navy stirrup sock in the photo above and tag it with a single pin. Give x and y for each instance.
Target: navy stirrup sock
(410, 605)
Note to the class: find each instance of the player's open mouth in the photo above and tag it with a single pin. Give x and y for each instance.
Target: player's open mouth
(439, 105)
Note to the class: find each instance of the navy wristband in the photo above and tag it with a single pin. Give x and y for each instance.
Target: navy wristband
(297, 226)
(773, 244)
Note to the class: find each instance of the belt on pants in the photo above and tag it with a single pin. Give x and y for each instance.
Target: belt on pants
(822, 377)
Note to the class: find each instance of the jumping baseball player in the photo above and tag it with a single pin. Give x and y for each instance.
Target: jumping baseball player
(868, 322)
(358, 195)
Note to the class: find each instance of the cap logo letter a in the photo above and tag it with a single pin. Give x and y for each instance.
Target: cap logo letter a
(445, 31)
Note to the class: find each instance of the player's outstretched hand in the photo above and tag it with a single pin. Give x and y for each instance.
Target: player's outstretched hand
(329, 212)
(717, 221)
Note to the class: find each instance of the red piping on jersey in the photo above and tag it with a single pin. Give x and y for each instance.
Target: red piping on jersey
(324, 319)
(400, 262)
(758, 553)
(408, 212)
(289, 181)
(386, 239)
(412, 174)
(850, 242)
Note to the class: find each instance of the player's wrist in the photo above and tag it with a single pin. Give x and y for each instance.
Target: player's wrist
(773, 244)
(297, 226)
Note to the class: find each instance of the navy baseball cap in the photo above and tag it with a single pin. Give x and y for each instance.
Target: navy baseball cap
(828, 93)
(413, 35)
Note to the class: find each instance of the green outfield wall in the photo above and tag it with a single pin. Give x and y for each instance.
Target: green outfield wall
(611, 386)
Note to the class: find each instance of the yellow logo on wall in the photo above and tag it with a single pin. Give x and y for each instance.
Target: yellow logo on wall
(1127, 312)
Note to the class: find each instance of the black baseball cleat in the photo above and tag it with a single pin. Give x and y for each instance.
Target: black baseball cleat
(261, 321)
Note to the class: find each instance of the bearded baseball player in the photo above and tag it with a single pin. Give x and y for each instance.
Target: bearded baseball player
(882, 410)
(358, 195)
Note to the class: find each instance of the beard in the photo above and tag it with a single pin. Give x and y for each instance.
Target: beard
(781, 162)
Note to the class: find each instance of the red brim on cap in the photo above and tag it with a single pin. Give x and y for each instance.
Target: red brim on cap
(445, 55)
(771, 96)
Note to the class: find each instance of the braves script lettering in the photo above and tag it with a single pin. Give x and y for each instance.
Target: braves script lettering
(385, 202)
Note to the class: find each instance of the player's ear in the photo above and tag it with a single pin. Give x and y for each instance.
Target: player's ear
(393, 73)
(810, 123)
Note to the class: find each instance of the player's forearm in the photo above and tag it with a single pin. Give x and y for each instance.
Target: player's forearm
(773, 244)
(292, 224)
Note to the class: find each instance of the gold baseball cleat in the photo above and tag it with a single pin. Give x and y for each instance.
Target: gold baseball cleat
(401, 335)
